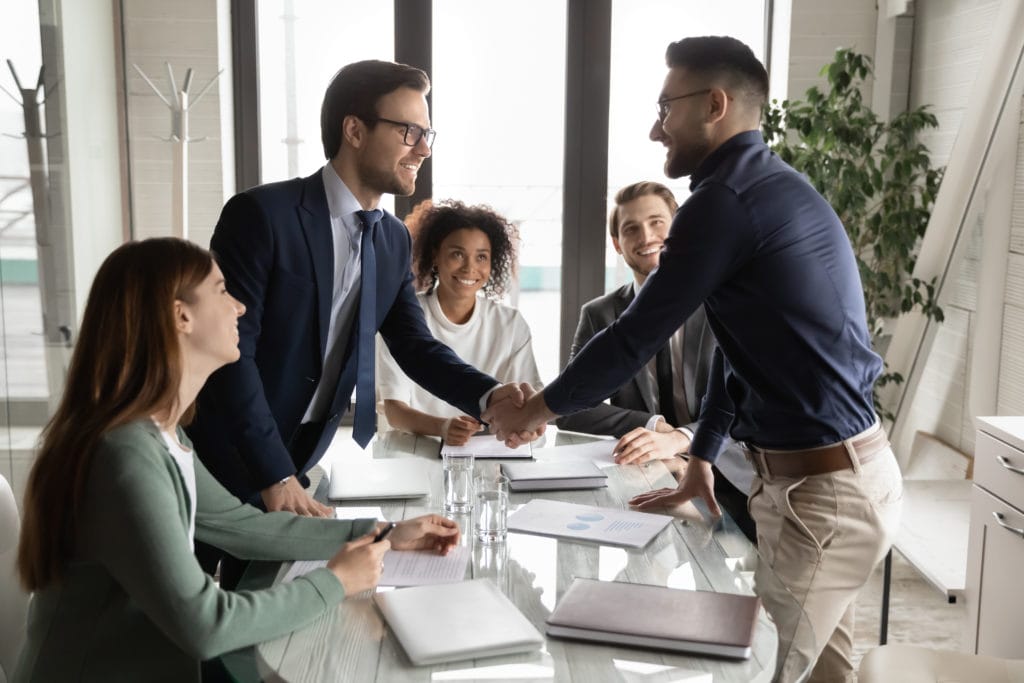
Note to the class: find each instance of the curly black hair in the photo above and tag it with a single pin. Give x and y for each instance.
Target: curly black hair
(431, 223)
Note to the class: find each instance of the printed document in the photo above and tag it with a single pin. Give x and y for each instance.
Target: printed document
(609, 526)
(404, 567)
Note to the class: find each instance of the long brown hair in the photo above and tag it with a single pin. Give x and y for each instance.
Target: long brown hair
(126, 365)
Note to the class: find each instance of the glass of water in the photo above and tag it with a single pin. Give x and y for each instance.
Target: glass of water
(490, 509)
(458, 482)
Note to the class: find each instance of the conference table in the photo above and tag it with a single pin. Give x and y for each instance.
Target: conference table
(353, 643)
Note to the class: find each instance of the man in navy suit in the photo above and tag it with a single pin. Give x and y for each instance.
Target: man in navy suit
(293, 253)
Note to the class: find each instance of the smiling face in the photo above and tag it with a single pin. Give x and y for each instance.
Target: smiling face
(208, 324)
(384, 163)
(685, 131)
(463, 262)
(643, 226)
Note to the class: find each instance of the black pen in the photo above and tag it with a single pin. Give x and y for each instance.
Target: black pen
(382, 534)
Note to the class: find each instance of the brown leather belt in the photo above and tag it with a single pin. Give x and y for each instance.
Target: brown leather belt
(821, 460)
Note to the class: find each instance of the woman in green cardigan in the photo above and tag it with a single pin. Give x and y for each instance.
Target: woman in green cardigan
(116, 497)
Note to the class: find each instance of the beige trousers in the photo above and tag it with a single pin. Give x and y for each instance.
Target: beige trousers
(820, 538)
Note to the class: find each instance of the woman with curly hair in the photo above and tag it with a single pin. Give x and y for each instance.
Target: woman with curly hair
(463, 259)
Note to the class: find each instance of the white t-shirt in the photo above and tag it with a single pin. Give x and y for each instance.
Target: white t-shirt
(187, 468)
(495, 340)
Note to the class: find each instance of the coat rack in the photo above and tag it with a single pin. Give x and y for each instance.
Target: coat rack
(180, 104)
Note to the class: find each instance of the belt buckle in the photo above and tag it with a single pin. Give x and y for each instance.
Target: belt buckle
(757, 458)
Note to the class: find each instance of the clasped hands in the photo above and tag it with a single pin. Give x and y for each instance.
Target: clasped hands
(517, 414)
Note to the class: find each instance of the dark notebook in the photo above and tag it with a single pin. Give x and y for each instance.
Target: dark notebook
(553, 475)
(694, 622)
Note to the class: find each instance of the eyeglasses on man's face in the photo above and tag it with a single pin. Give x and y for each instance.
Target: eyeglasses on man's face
(413, 133)
(663, 107)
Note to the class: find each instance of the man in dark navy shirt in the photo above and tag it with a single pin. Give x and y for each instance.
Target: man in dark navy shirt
(793, 374)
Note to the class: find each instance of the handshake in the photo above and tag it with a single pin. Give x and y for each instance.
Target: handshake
(517, 413)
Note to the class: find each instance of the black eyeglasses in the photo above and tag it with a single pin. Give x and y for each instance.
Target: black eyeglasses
(413, 133)
(663, 103)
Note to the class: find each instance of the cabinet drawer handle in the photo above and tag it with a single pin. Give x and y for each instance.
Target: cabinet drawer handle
(1006, 463)
(999, 520)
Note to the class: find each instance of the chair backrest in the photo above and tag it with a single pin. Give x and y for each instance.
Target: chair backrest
(13, 600)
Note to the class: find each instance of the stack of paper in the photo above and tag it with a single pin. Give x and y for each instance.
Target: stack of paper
(548, 476)
(487, 446)
(454, 621)
(698, 622)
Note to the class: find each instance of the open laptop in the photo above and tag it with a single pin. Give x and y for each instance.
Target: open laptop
(372, 479)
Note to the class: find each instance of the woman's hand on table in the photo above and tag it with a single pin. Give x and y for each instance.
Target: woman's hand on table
(428, 532)
(358, 563)
(456, 430)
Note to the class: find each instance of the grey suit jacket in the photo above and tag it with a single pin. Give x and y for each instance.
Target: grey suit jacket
(633, 404)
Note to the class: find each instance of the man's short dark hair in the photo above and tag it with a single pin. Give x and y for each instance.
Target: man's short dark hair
(355, 91)
(724, 60)
(635, 191)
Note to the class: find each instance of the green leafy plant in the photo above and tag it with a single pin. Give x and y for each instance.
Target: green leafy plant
(877, 176)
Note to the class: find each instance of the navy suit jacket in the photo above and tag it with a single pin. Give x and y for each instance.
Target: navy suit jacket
(274, 245)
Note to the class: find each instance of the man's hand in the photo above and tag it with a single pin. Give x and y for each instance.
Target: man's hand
(507, 392)
(290, 496)
(698, 481)
(518, 424)
(642, 445)
(457, 430)
(427, 532)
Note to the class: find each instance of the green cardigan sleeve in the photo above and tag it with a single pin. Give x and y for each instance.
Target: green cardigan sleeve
(133, 524)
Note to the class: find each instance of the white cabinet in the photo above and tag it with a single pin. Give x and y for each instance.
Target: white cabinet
(995, 552)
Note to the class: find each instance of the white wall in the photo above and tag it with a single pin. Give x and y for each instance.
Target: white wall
(185, 33)
(950, 37)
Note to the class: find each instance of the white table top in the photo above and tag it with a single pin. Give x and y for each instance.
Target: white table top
(352, 643)
(934, 531)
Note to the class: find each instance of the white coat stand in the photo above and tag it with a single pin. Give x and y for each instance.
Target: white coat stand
(179, 104)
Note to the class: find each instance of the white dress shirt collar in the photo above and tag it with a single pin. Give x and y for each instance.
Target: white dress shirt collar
(340, 200)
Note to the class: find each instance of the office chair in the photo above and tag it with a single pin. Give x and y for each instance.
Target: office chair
(13, 600)
(911, 664)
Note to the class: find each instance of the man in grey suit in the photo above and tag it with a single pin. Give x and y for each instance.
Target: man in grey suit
(655, 413)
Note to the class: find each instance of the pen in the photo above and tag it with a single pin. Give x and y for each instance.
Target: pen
(382, 534)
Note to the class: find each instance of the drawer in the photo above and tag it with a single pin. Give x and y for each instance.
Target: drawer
(995, 585)
(995, 463)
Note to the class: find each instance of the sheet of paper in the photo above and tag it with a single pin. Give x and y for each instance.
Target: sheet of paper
(358, 512)
(600, 452)
(300, 567)
(486, 446)
(404, 567)
(609, 526)
(423, 567)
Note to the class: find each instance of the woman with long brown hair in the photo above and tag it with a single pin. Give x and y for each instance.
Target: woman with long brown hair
(116, 498)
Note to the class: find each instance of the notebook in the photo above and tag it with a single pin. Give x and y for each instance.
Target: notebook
(454, 621)
(487, 446)
(694, 622)
(547, 476)
(370, 479)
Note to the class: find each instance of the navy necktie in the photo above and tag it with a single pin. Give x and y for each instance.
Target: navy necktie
(365, 419)
(663, 372)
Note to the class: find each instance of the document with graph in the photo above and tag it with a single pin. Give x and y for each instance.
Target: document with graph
(608, 526)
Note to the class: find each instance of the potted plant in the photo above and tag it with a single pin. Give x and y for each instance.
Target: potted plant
(877, 176)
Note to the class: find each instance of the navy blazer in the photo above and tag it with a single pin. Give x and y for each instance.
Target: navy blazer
(274, 245)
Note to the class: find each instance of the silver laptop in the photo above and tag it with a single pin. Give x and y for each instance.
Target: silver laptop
(456, 621)
(371, 479)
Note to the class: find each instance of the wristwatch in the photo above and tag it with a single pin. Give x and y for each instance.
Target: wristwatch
(285, 480)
